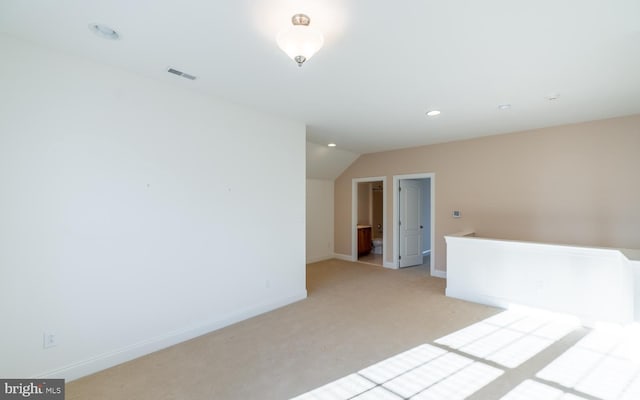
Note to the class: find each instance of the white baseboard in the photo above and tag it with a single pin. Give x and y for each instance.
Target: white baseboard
(390, 264)
(112, 358)
(347, 257)
(312, 260)
(344, 257)
(439, 273)
(476, 298)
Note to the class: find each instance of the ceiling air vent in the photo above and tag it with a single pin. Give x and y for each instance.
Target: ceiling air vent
(180, 73)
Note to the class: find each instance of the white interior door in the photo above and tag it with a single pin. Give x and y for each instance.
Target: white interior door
(410, 228)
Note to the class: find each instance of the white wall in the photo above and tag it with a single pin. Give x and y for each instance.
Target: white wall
(595, 284)
(634, 263)
(319, 220)
(128, 213)
(327, 162)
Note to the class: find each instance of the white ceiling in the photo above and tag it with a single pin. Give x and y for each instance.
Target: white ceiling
(327, 163)
(384, 64)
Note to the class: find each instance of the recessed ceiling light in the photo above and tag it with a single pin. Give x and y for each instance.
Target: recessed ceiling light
(332, 145)
(504, 106)
(104, 31)
(433, 113)
(552, 96)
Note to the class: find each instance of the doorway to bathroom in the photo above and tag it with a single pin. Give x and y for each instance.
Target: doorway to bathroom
(413, 216)
(368, 219)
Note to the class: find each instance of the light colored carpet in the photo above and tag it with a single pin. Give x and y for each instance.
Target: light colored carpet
(356, 315)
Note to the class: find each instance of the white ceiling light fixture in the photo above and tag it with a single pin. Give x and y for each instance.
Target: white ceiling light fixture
(332, 145)
(433, 113)
(104, 31)
(300, 41)
(504, 106)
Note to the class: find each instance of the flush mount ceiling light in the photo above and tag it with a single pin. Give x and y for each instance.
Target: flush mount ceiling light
(332, 145)
(300, 41)
(504, 106)
(433, 113)
(104, 31)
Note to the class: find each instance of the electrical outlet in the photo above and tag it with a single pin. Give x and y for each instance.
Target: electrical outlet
(49, 339)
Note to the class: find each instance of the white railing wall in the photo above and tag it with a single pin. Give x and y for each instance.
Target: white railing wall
(595, 284)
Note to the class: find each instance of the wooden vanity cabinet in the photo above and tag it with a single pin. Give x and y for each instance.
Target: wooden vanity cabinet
(364, 240)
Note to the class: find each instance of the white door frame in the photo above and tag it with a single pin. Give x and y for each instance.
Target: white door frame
(354, 214)
(411, 213)
(396, 216)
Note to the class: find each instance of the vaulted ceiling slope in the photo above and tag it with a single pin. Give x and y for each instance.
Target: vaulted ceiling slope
(327, 163)
(383, 65)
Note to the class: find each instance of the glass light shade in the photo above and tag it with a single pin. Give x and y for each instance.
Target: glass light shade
(300, 40)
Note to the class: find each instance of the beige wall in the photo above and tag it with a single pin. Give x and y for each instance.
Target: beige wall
(376, 212)
(364, 203)
(575, 184)
(319, 220)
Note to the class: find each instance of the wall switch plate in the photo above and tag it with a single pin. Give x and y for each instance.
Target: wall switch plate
(49, 339)
(456, 214)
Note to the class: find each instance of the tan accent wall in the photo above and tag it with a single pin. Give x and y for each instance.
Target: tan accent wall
(319, 221)
(575, 184)
(364, 203)
(376, 212)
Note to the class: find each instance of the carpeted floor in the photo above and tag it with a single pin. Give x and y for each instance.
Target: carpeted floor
(356, 315)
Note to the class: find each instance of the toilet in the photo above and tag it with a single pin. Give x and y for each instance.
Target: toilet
(377, 246)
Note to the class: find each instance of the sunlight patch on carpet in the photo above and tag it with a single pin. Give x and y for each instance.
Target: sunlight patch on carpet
(429, 372)
(424, 372)
(532, 390)
(344, 388)
(511, 337)
(604, 364)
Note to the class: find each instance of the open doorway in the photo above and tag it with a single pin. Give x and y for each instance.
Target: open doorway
(369, 219)
(413, 210)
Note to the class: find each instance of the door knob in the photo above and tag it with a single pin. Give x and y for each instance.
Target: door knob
(420, 226)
